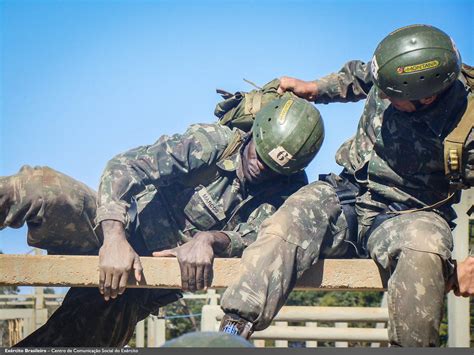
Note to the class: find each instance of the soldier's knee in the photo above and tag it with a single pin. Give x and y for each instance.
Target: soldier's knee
(428, 232)
(420, 264)
(308, 195)
(303, 214)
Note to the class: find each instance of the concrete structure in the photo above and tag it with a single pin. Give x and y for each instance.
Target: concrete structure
(330, 274)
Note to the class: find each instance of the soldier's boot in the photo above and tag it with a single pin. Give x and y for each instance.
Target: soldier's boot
(235, 325)
(58, 210)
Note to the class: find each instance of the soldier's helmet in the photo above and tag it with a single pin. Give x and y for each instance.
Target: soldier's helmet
(208, 340)
(288, 133)
(415, 62)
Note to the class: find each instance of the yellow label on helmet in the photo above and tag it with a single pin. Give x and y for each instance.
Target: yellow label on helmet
(284, 111)
(418, 67)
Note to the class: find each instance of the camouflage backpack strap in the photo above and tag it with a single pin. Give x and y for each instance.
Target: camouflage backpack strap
(454, 145)
(239, 109)
(234, 145)
(205, 176)
(468, 73)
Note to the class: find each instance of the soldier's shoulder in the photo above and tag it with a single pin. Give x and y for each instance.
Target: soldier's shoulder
(216, 132)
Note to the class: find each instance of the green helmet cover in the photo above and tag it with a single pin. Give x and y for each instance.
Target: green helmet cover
(208, 340)
(415, 62)
(288, 133)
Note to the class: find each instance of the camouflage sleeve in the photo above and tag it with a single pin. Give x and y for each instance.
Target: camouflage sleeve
(167, 161)
(245, 234)
(352, 83)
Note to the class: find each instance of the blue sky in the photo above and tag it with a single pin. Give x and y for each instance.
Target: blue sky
(81, 81)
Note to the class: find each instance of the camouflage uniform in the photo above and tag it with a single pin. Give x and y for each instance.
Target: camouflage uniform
(164, 193)
(395, 159)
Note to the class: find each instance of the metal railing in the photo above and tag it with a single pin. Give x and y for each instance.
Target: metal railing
(281, 332)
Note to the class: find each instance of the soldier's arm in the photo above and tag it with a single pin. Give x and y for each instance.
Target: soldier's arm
(352, 83)
(196, 256)
(170, 160)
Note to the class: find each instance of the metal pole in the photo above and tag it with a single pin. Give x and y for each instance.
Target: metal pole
(458, 307)
(341, 344)
(209, 318)
(150, 341)
(40, 310)
(140, 334)
(160, 332)
(281, 343)
(381, 325)
(311, 343)
(212, 296)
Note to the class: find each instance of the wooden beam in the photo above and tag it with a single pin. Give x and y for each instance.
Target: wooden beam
(30, 270)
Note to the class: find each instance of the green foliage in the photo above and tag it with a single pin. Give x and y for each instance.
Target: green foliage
(443, 328)
(332, 299)
(190, 309)
(9, 290)
(49, 291)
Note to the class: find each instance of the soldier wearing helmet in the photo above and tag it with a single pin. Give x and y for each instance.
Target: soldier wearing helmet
(392, 200)
(193, 195)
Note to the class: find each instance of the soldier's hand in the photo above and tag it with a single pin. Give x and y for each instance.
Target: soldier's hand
(462, 282)
(196, 258)
(307, 90)
(116, 260)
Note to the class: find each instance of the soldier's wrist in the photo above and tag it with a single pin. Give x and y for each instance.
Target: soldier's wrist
(313, 90)
(219, 241)
(113, 230)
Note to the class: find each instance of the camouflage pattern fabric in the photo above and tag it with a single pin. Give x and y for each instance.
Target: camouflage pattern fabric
(309, 225)
(163, 211)
(394, 157)
(415, 248)
(352, 83)
(162, 183)
(58, 210)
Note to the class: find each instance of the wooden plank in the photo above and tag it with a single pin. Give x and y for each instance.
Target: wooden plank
(57, 270)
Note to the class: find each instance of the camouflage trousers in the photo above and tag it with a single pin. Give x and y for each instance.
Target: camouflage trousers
(59, 212)
(414, 248)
